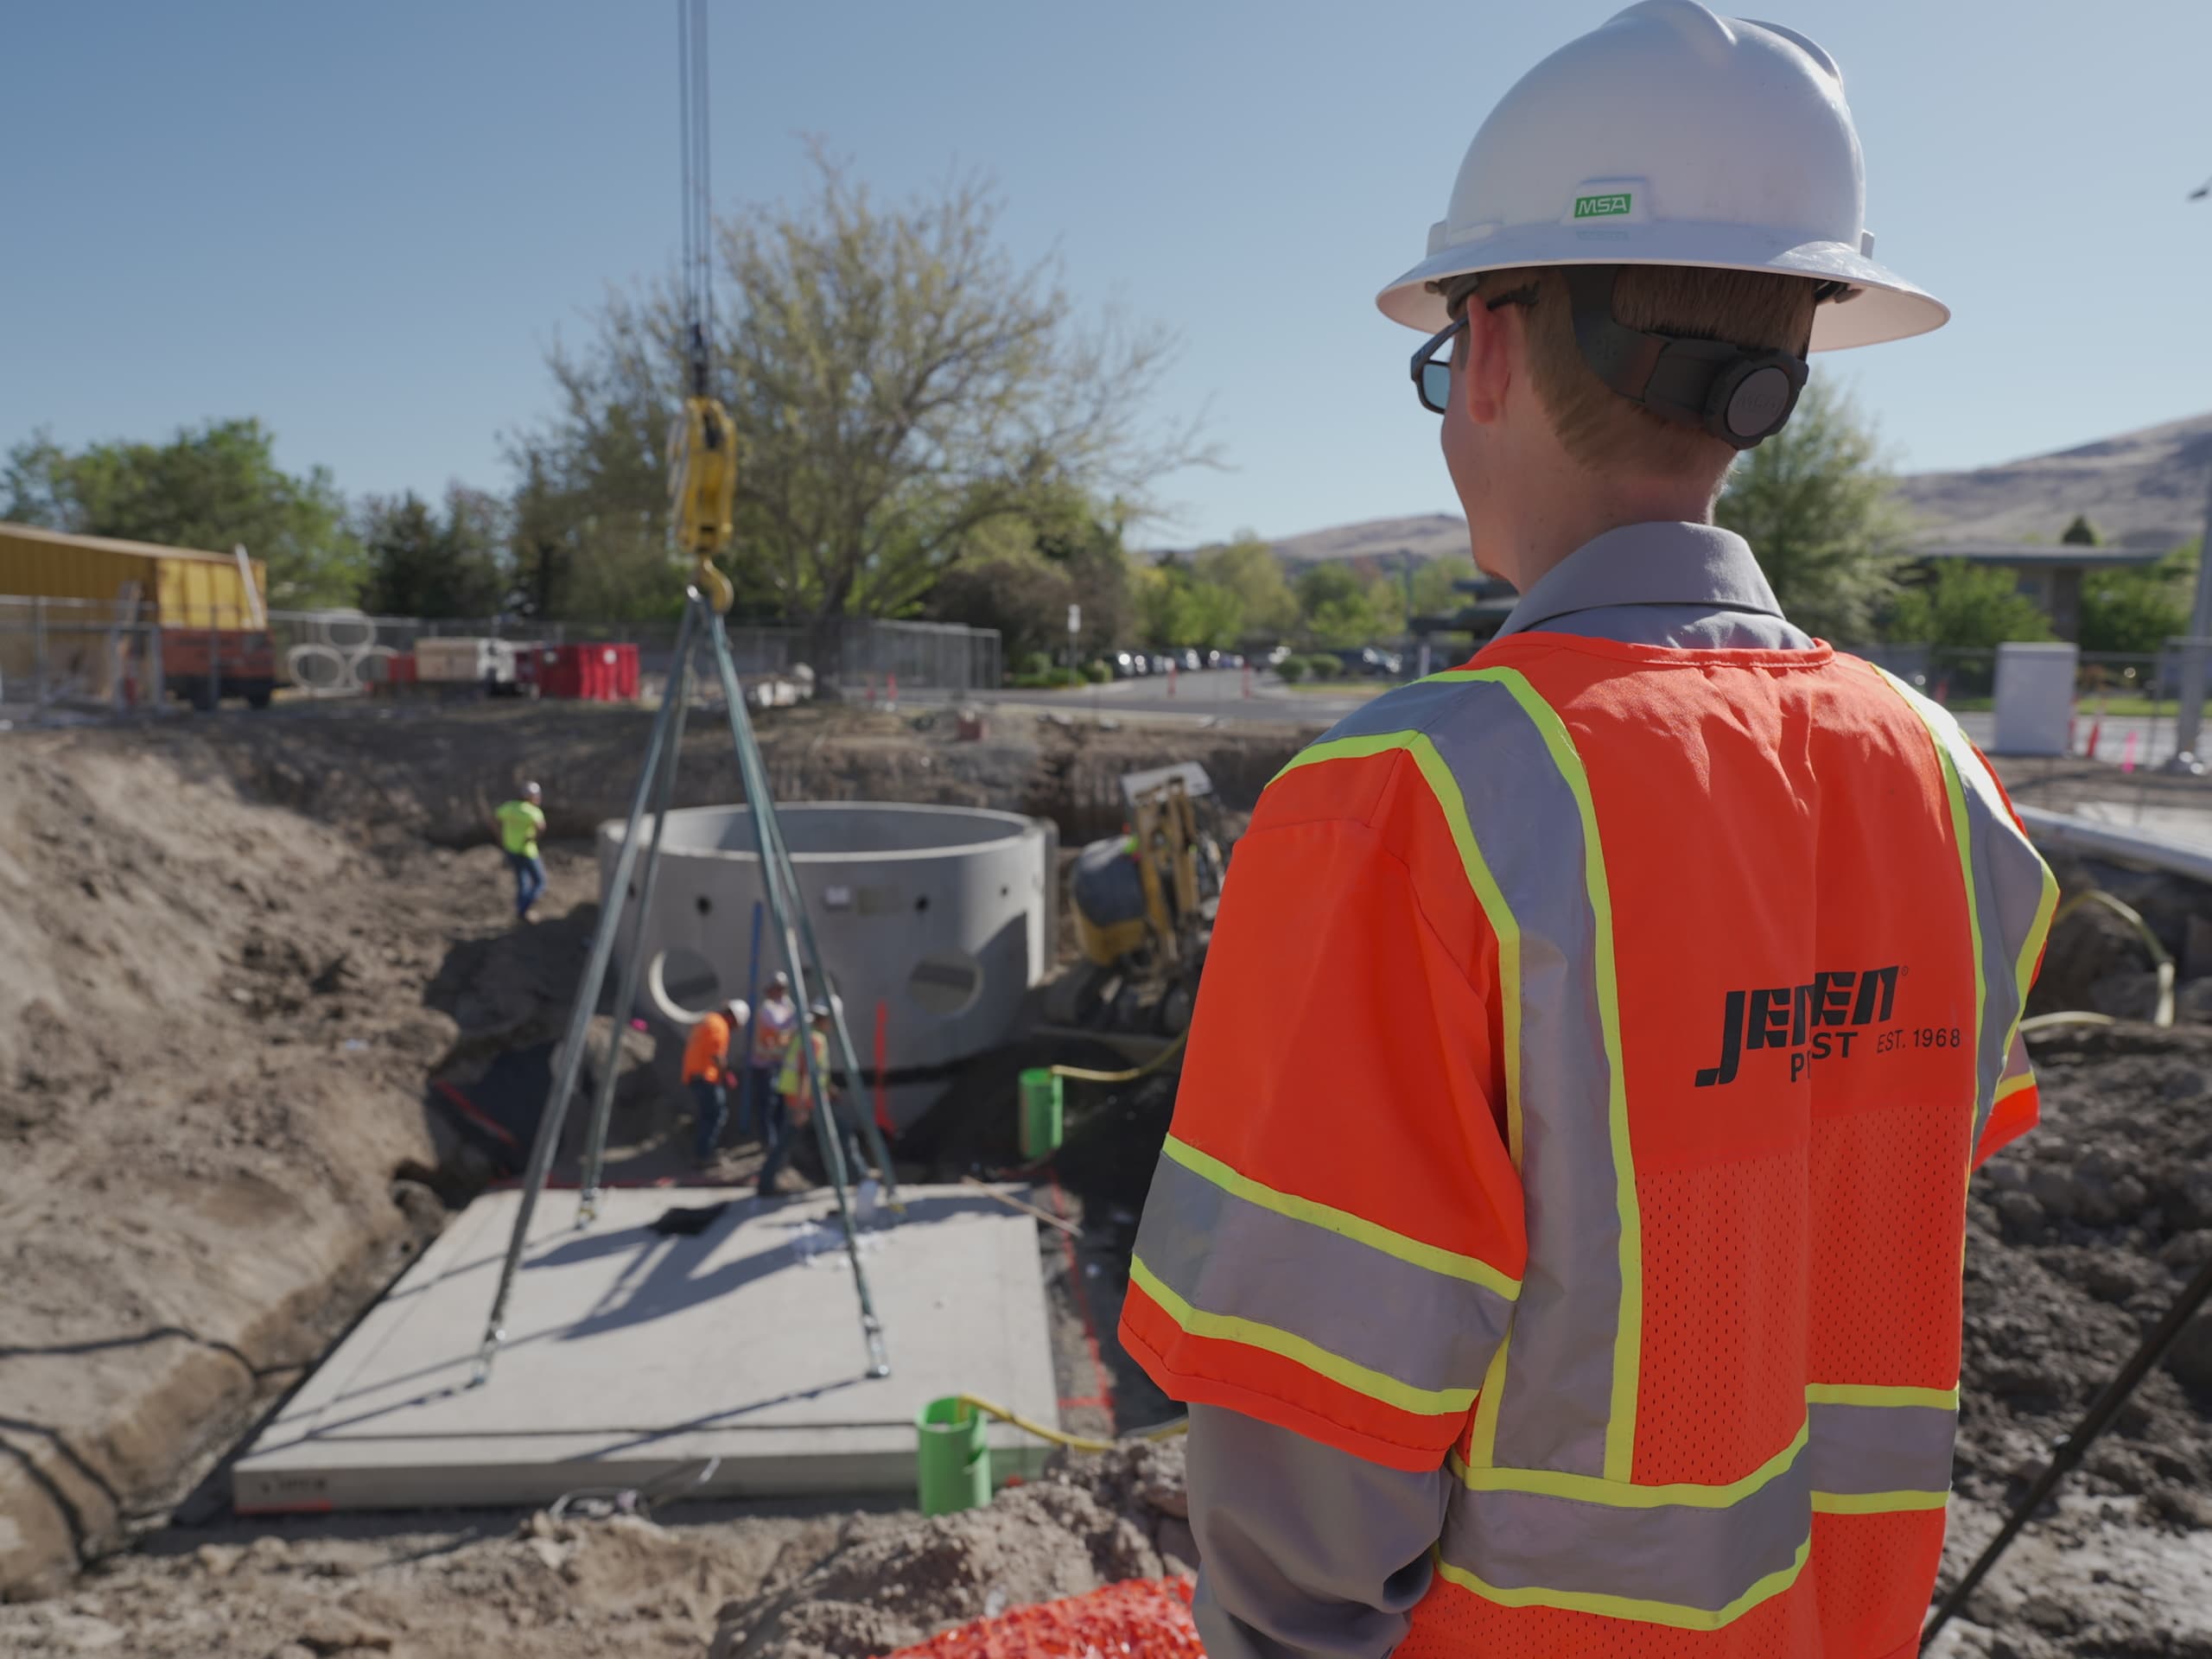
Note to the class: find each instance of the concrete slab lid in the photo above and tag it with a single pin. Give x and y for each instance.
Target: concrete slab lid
(634, 1358)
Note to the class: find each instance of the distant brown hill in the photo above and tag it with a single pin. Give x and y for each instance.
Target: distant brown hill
(2144, 488)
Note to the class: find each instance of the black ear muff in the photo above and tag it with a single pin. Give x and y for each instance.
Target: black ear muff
(1738, 394)
(1752, 398)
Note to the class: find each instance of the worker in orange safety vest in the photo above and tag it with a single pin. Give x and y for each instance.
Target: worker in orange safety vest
(1674, 960)
(710, 1070)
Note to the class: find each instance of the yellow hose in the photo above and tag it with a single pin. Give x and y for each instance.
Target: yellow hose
(2165, 1014)
(1080, 1075)
(1060, 1437)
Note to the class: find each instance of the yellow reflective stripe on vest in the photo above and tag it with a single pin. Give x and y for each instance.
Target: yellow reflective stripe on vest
(1226, 1256)
(1413, 1251)
(1360, 1379)
(1999, 909)
(1572, 1373)
(1674, 1615)
(1445, 789)
(1687, 1554)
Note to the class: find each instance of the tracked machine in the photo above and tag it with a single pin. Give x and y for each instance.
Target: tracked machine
(1144, 904)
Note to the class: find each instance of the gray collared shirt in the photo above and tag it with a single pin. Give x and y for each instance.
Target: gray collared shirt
(1692, 586)
(1309, 1552)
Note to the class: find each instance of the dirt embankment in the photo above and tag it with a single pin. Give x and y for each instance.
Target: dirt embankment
(788, 1586)
(232, 952)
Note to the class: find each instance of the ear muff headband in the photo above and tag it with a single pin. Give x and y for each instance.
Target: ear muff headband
(1739, 395)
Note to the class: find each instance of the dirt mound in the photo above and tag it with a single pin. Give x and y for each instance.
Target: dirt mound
(891, 1581)
(214, 1037)
(232, 954)
(437, 773)
(447, 1588)
(2081, 1237)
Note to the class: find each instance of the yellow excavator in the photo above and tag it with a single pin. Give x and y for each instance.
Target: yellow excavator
(1144, 904)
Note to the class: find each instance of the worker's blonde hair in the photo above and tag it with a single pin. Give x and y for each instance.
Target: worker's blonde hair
(1597, 426)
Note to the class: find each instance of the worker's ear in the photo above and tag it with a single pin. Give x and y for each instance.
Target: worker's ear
(1490, 352)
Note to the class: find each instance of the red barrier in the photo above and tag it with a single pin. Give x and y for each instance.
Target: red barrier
(1147, 1617)
(587, 673)
(882, 1102)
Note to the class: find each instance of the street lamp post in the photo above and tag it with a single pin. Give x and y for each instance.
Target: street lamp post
(2191, 715)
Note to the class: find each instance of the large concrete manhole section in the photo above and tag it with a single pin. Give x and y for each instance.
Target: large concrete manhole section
(934, 920)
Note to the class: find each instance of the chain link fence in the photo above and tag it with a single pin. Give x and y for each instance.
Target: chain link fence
(92, 657)
(77, 656)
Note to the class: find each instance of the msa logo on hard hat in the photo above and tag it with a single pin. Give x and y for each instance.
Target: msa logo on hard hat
(1821, 1017)
(1603, 207)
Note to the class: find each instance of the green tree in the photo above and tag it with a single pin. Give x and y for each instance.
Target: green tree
(213, 486)
(1336, 607)
(1247, 568)
(1436, 591)
(1814, 502)
(897, 382)
(424, 565)
(1965, 607)
(2081, 533)
(2138, 610)
(1176, 607)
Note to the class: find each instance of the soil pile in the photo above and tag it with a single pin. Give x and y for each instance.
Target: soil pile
(212, 1044)
(765, 1587)
(449, 1587)
(234, 952)
(2081, 1235)
(436, 774)
(891, 1581)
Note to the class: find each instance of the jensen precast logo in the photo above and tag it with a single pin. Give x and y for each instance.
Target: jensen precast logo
(1602, 207)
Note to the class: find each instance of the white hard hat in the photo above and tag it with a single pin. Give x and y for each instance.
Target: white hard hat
(739, 1010)
(1674, 136)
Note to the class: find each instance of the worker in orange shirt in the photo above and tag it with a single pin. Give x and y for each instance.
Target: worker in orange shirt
(711, 1061)
(1673, 959)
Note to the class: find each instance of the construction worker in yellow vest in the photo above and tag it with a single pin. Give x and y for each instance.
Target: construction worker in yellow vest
(793, 1105)
(521, 823)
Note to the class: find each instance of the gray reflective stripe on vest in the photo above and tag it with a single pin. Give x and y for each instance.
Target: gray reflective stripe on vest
(1561, 1393)
(1898, 1455)
(2010, 894)
(1427, 1319)
(1690, 1556)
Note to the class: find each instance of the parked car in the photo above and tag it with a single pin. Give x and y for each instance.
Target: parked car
(1190, 660)
(1279, 656)
(1159, 661)
(1126, 664)
(1371, 661)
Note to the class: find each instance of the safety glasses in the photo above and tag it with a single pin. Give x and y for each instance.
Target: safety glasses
(1431, 364)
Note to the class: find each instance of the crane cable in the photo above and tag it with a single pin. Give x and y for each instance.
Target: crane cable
(702, 445)
(697, 282)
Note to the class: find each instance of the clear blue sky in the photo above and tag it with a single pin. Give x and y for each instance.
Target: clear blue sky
(365, 223)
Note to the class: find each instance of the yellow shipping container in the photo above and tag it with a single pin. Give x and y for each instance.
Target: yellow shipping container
(192, 589)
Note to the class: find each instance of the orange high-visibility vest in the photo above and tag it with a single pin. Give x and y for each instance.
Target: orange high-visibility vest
(1627, 1183)
(706, 1050)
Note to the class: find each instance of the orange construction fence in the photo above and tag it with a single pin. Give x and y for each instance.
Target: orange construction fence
(1150, 1617)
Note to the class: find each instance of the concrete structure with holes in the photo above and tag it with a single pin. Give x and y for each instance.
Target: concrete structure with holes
(726, 1362)
(935, 923)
